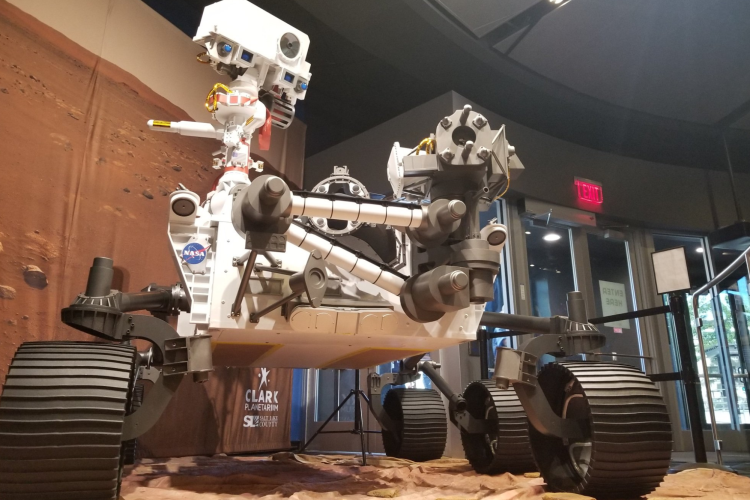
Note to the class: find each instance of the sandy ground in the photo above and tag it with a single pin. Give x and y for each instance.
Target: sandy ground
(311, 477)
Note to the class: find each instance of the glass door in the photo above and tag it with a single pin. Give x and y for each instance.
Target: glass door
(611, 277)
(735, 310)
(551, 271)
(332, 388)
(329, 389)
(564, 255)
(735, 307)
(732, 307)
(725, 331)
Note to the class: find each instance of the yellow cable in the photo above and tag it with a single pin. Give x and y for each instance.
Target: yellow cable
(507, 176)
(507, 186)
(424, 143)
(211, 105)
(429, 146)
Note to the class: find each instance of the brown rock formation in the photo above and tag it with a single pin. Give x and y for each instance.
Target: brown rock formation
(74, 134)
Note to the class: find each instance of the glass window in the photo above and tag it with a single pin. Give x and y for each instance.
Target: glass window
(333, 387)
(613, 294)
(714, 360)
(500, 302)
(551, 272)
(717, 359)
(733, 308)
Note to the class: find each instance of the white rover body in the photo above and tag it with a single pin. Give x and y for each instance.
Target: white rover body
(322, 337)
(361, 321)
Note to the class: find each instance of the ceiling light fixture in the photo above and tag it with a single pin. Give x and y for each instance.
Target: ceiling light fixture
(531, 265)
(552, 237)
(699, 249)
(528, 232)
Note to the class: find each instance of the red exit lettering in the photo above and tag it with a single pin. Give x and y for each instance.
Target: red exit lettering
(589, 191)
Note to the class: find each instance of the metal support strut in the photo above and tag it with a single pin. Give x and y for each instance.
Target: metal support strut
(358, 428)
(249, 267)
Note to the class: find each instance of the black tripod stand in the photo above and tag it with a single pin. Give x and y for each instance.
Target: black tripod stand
(356, 393)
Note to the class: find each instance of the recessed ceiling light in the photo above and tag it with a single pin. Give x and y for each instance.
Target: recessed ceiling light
(699, 249)
(528, 232)
(531, 265)
(552, 237)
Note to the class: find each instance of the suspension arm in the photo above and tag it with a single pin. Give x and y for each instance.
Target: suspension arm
(346, 260)
(457, 408)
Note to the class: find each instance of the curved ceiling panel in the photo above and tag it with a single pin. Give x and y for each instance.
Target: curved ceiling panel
(655, 80)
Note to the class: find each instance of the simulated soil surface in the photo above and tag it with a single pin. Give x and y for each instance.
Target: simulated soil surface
(318, 477)
(80, 176)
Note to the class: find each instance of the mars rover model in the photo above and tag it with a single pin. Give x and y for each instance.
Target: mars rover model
(329, 278)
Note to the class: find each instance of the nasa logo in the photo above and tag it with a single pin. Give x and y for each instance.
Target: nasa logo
(194, 253)
(262, 401)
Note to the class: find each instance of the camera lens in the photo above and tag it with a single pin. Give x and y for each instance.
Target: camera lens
(225, 49)
(289, 45)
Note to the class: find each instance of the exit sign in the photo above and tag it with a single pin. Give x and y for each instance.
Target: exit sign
(589, 191)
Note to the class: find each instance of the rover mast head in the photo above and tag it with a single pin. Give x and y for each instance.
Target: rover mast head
(257, 49)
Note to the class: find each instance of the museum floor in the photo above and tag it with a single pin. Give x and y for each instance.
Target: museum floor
(303, 477)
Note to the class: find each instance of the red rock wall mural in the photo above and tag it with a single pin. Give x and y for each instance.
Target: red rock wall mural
(82, 176)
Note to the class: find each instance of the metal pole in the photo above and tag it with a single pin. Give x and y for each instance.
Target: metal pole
(731, 178)
(330, 417)
(358, 427)
(457, 400)
(484, 354)
(640, 313)
(237, 306)
(704, 364)
(690, 381)
(528, 324)
(254, 317)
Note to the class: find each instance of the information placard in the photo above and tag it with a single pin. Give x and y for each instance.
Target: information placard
(614, 301)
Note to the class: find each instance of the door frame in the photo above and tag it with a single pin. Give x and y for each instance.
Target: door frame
(734, 440)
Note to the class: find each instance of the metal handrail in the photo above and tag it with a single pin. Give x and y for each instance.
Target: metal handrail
(744, 257)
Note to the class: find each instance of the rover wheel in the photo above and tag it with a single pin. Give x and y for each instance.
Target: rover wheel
(423, 427)
(506, 447)
(629, 443)
(61, 420)
(130, 447)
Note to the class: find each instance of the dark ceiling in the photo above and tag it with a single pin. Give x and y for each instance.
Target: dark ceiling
(662, 81)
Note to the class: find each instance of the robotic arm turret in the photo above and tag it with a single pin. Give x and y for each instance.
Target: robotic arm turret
(463, 261)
